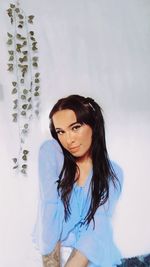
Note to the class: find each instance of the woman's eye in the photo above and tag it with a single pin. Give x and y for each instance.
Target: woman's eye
(74, 128)
(59, 132)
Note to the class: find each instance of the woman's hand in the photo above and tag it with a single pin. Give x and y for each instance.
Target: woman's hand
(52, 259)
(76, 259)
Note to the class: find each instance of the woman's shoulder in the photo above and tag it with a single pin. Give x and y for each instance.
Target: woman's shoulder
(51, 149)
(50, 152)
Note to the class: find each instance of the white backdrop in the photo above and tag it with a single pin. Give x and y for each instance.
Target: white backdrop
(99, 49)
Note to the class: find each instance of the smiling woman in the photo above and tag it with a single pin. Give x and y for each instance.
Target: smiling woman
(79, 187)
(72, 134)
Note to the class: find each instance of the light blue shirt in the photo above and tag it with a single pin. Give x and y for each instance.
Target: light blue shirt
(50, 227)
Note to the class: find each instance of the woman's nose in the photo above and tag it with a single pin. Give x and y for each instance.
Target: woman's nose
(69, 138)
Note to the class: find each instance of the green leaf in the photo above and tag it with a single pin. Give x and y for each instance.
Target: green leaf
(11, 58)
(24, 166)
(34, 64)
(14, 83)
(15, 167)
(25, 66)
(14, 91)
(24, 70)
(14, 119)
(25, 91)
(23, 97)
(37, 74)
(18, 47)
(34, 43)
(36, 94)
(18, 35)
(24, 43)
(24, 157)
(30, 21)
(21, 60)
(31, 33)
(34, 48)
(21, 22)
(17, 10)
(18, 50)
(31, 17)
(24, 106)
(14, 115)
(22, 81)
(24, 131)
(35, 58)
(14, 160)
(9, 11)
(20, 26)
(32, 38)
(12, 5)
(37, 80)
(16, 101)
(37, 88)
(25, 151)
(11, 52)
(20, 16)
(9, 42)
(25, 52)
(25, 58)
(10, 67)
(23, 171)
(23, 113)
(23, 74)
(9, 35)
(30, 106)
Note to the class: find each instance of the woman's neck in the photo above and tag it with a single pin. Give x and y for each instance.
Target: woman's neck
(81, 162)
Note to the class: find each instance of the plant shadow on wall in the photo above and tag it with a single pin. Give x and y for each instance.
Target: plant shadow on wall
(23, 65)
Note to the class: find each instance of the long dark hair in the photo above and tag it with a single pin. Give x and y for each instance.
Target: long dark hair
(88, 112)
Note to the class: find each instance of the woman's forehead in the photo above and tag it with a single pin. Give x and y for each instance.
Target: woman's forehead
(64, 118)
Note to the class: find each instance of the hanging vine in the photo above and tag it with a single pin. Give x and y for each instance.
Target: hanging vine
(23, 64)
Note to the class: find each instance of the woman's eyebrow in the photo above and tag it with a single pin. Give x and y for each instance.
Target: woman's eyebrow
(57, 128)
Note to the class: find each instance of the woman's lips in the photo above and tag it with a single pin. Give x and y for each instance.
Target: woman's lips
(74, 148)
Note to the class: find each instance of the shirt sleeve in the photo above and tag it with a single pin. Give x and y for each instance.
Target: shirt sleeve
(97, 243)
(48, 226)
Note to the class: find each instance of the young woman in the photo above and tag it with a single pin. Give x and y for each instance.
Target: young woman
(79, 187)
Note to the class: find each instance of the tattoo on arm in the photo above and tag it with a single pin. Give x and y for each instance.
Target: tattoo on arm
(52, 259)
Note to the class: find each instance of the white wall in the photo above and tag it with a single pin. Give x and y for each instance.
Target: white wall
(99, 49)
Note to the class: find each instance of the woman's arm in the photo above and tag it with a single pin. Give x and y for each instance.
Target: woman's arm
(52, 259)
(76, 258)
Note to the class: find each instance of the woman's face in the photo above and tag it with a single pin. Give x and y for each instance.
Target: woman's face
(74, 137)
